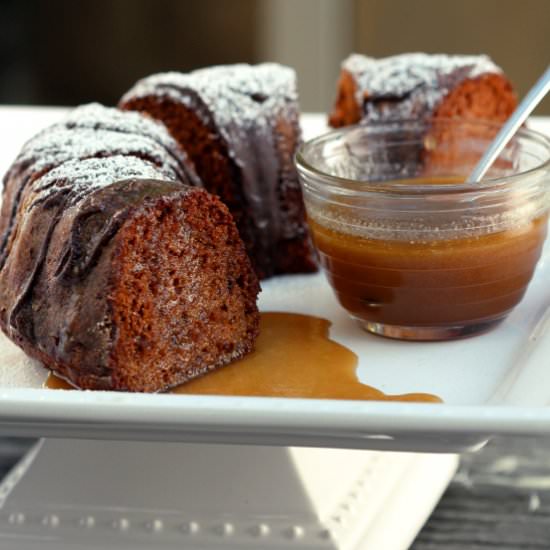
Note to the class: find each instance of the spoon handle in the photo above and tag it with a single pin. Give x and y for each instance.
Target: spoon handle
(518, 117)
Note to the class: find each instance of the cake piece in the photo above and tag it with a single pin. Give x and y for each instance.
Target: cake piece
(87, 132)
(116, 273)
(416, 85)
(239, 124)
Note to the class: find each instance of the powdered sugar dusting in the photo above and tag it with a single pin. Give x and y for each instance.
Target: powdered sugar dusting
(81, 177)
(235, 94)
(96, 116)
(420, 81)
(60, 144)
(137, 127)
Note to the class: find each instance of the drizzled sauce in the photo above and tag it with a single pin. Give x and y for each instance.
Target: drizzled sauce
(294, 357)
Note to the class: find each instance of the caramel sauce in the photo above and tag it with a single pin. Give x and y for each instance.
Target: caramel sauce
(294, 357)
(54, 382)
(436, 282)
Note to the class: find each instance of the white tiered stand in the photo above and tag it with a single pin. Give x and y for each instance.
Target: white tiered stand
(110, 495)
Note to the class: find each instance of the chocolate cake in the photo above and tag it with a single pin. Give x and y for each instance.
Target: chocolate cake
(239, 126)
(417, 85)
(114, 272)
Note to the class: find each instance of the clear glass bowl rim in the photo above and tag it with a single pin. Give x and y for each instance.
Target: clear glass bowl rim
(393, 188)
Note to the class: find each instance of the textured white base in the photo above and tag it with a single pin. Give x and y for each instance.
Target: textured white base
(114, 495)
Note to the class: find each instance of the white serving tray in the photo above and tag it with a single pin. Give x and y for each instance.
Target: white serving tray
(497, 383)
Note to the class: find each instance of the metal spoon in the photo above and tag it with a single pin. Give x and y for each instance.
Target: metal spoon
(518, 117)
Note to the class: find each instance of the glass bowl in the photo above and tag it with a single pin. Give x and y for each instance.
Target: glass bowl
(411, 251)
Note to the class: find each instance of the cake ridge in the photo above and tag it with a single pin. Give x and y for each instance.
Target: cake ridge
(86, 175)
(98, 117)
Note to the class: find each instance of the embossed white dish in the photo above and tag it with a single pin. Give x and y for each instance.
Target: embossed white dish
(496, 383)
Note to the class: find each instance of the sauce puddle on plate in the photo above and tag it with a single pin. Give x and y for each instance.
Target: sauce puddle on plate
(294, 357)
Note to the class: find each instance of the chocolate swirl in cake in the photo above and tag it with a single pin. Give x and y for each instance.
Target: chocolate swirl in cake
(61, 192)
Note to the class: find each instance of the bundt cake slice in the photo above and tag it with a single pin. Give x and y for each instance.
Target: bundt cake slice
(418, 85)
(116, 274)
(434, 88)
(239, 125)
(90, 131)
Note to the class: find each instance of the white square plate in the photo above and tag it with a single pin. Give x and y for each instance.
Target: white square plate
(496, 383)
